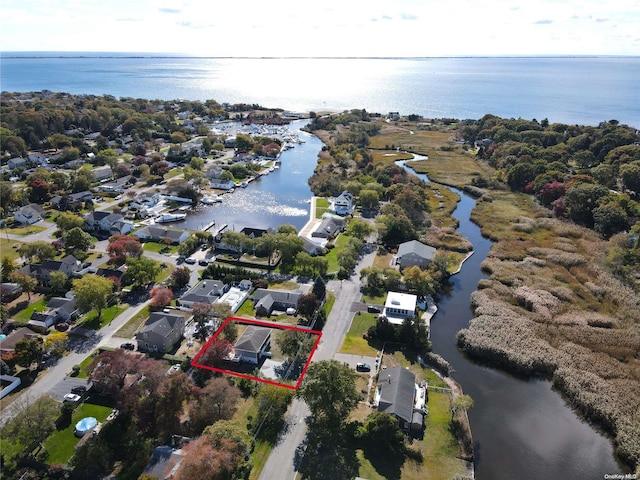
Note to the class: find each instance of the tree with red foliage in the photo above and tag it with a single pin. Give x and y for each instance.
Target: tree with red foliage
(271, 150)
(550, 192)
(108, 370)
(216, 401)
(180, 277)
(203, 460)
(39, 192)
(160, 296)
(216, 352)
(122, 247)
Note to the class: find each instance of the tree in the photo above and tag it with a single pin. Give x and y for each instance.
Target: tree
(216, 401)
(319, 288)
(418, 280)
(67, 221)
(460, 402)
(121, 247)
(272, 403)
(27, 283)
(609, 219)
(630, 176)
(58, 280)
(235, 241)
(108, 369)
(140, 271)
(359, 228)
(381, 428)
(173, 394)
(307, 304)
(295, 344)
(160, 296)
(581, 199)
(329, 389)
(39, 251)
(216, 352)
(56, 343)
(28, 351)
(369, 199)
(179, 278)
(7, 266)
(92, 291)
(202, 317)
(77, 240)
(33, 423)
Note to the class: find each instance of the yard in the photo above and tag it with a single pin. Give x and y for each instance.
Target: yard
(353, 342)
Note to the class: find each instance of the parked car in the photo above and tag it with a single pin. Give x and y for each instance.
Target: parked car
(71, 398)
(203, 262)
(373, 309)
(363, 367)
(79, 390)
(190, 261)
(128, 346)
(62, 327)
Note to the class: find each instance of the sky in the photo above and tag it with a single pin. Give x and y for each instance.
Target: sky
(330, 28)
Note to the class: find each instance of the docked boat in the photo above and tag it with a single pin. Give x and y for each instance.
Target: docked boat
(210, 199)
(170, 217)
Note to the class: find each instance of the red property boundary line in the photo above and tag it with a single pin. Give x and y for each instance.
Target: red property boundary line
(248, 321)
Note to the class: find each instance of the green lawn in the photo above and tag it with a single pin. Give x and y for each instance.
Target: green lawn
(246, 310)
(129, 328)
(60, 444)
(332, 257)
(6, 247)
(353, 342)
(322, 204)
(25, 315)
(160, 248)
(26, 230)
(91, 319)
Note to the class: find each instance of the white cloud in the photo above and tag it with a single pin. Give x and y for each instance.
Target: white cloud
(330, 28)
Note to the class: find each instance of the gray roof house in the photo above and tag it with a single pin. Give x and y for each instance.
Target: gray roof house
(59, 309)
(16, 162)
(328, 228)
(160, 333)
(414, 253)
(102, 173)
(252, 344)
(73, 199)
(107, 222)
(395, 395)
(206, 291)
(343, 203)
(266, 301)
(68, 265)
(157, 233)
(29, 214)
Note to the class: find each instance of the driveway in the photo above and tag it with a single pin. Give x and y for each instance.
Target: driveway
(352, 360)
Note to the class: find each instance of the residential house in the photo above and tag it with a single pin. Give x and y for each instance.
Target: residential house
(110, 273)
(230, 142)
(102, 173)
(311, 247)
(343, 204)
(252, 344)
(329, 227)
(253, 232)
(266, 301)
(395, 395)
(68, 265)
(157, 233)
(38, 159)
(9, 291)
(164, 463)
(16, 162)
(160, 332)
(145, 201)
(414, 253)
(221, 184)
(118, 185)
(107, 222)
(8, 344)
(399, 306)
(59, 309)
(206, 291)
(29, 214)
(72, 201)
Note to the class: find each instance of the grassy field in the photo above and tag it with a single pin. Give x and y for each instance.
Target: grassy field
(7, 250)
(160, 248)
(36, 306)
(24, 230)
(60, 444)
(91, 319)
(322, 204)
(332, 257)
(131, 327)
(353, 342)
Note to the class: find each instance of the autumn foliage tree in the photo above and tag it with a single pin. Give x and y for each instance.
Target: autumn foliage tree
(122, 247)
(160, 296)
(216, 352)
(217, 400)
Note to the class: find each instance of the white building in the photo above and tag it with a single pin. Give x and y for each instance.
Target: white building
(399, 306)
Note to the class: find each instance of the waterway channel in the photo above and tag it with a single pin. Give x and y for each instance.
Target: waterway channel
(522, 429)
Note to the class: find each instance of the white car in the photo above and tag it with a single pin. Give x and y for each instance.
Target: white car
(72, 398)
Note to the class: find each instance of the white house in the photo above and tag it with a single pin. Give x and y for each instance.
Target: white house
(399, 306)
(206, 291)
(29, 214)
(343, 204)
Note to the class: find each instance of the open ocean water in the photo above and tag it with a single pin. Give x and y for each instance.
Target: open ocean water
(582, 90)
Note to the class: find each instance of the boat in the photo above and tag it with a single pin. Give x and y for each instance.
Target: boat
(170, 217)
(210, 199)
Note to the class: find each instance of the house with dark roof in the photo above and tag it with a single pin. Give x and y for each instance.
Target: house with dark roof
(68, 265)
(72, 201)
(206, 291)
(253, 344)
(157, 233)
(58, 309)
(266, 301)
(253, 232)
(160, 332)
(16, 162)
(29, 214)
(164, 463)
(395, 395)
(107, 222)
(8, 344)
(329, 227)
(118, 185)
(414, 253)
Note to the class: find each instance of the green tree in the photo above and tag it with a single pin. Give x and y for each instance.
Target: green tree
(35, 422)
(67, 221)
(58, 280)
(460, 402)
(359, 228)
(26, 282)
(581, 199)
(630, 176)
(369, 199)
(272, 403)
(329, 389)
(37, 251)
(77, 240)
(296, 345)
(236, 241)
(609, 219)
(140, 271)
(381, 428)
(28, 351)
(7, 266)
(418, 280)
(92, 291)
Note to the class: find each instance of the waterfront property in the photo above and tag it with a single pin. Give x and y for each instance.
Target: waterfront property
(414, 253)
(399, 306)
(396, 395)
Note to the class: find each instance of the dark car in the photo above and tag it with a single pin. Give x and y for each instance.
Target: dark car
(363, 367)
(203, 262)
(79, 390)
(128, 346)
(62, 327)
(373, 309)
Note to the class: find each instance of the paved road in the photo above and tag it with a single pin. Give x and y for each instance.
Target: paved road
(283, 463)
